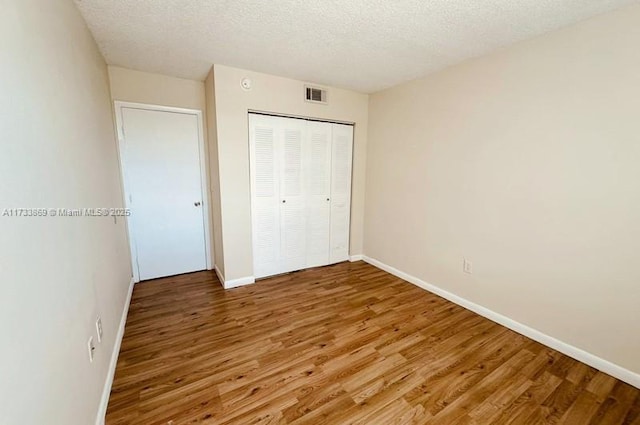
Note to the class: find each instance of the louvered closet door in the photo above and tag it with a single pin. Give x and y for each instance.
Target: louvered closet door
(265, 199)
(318, 190)
(342, 148)
(292, 194)
(300, 191)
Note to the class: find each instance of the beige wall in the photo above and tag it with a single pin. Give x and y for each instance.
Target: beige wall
(212, 130)
(56, 274)
(155, 89)
(281, 95)
(527, 162)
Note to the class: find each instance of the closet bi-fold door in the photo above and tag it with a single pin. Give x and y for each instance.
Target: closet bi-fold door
(318, 191)
(292, 153)
(264, 138)
(341, 160)
(301, 193)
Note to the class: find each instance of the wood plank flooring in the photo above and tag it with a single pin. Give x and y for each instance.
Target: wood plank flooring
(343, 344)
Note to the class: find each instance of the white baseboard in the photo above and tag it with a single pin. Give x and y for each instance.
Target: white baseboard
(592, 360)
(356, 257)
(234, 283)
(106, 391)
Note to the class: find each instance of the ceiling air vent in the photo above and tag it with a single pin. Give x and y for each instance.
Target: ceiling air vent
(315, 94)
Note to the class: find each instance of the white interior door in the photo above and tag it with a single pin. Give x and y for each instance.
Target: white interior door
(318, 191)
(341, 162)
(161, 161)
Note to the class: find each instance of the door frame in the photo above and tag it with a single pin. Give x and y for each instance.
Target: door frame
(204, 180)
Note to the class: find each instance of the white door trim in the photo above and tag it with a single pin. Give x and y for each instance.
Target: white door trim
(204, 180)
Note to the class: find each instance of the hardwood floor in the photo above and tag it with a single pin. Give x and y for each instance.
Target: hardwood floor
(342, 344)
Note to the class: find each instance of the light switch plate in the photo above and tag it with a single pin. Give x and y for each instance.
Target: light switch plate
(467, 266)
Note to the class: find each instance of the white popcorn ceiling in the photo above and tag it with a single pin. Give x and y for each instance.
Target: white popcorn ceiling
(364, 45)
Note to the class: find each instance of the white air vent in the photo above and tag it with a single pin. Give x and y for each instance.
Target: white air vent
(315, 94)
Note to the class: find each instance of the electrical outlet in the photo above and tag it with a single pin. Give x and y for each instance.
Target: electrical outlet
(99, 328)
(467, 266)
(91, 347)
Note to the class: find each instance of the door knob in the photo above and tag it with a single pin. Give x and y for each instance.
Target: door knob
(284, 201)
(327, 199)
(197, 204)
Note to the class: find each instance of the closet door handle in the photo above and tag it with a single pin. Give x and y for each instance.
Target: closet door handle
(284, 201)
(327, 199)
(196, 204)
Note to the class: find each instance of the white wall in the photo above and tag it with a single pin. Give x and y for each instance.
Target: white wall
(527, 162)
(281, 95)
(56, 274)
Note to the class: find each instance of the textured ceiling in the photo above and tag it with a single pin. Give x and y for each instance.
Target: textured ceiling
(364, 45)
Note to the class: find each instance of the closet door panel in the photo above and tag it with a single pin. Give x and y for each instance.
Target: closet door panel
(341, 164)
(264, 168)
(318, 190)
(292, 194)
